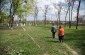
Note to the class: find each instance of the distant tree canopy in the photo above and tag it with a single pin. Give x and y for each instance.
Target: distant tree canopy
(3, 18)
(21, 8)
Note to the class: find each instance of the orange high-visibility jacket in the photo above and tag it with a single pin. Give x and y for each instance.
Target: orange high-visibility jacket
(61, 32)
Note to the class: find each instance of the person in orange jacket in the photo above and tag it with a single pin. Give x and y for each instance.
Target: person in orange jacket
(61, 34)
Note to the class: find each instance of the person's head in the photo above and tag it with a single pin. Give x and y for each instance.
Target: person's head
(53, 24)
(60, 26)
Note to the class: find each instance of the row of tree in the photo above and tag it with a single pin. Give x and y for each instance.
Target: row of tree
(22, 8)
(70, 11)
(58, 7)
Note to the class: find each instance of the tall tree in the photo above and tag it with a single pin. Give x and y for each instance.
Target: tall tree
(69, 11)
(66, 16)
(17, 7)
(72, 5)
(56, 17)
(45, 14)
(14, 7)
(59, 11)
(36, 10)
(78, 14)
(69, 4)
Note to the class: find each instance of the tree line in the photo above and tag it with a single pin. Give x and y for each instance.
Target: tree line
(69, 12)
(22, 8)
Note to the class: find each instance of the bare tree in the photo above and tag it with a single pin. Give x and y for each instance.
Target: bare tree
(78, 14)
(72, 5)
(69, 11)
(69, 5)
(59, 11)
(66, 16)
(81, 19)
(45, 14)
(36, 10)
(57, 18)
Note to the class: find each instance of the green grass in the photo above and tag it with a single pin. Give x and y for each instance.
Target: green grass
(76, 39)
(17, 41)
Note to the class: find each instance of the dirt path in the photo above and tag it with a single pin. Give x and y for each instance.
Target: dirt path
(70, 49)
(46, 53)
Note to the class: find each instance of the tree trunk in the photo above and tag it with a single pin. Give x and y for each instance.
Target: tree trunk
(35, 18)
(14, 12)
(66, 16)
(12, 21)
(59, 16)
(69, 17)
(56, 18)
(46, 9)
(10, 16)
(34, 21)
(45, 19)
(72, 11)
(36, 14)
(59, 13)
(78, 14)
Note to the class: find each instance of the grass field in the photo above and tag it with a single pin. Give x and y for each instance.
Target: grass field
(37, 40)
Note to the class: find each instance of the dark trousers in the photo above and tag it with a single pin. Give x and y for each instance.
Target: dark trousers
(53, 34)
(61, 38)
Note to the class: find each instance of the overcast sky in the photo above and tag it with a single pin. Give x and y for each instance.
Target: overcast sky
(52, 10)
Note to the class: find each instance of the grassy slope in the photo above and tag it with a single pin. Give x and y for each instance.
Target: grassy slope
(47, 44)
(76, 39)
(18, 41)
